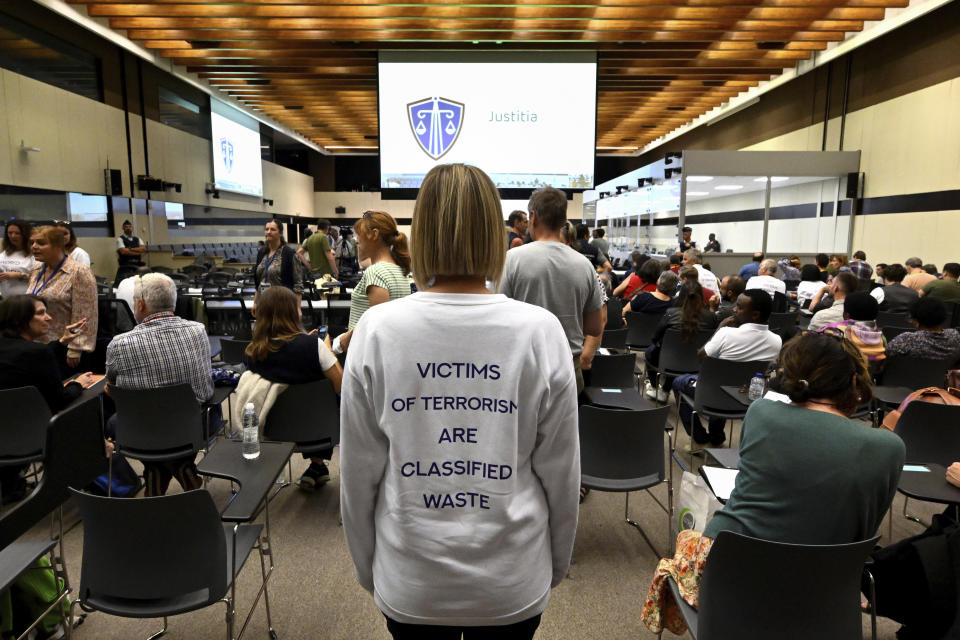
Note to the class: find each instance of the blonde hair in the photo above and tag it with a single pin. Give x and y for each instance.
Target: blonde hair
(390, 236)
(457, 227)
(53, 235)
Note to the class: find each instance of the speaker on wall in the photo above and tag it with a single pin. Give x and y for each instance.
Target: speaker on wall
(340, 210)
(114, 181)
(853, 185)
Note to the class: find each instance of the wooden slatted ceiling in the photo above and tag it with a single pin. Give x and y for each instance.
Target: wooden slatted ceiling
(311, 64)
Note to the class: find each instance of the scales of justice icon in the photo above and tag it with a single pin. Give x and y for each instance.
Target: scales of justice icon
(436, 124)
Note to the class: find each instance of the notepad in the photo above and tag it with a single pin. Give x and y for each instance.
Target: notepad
(603, 351)
(611, 390)
(721, 480)
(915, 467)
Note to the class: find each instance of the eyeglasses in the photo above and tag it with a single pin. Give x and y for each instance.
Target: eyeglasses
(834, 332)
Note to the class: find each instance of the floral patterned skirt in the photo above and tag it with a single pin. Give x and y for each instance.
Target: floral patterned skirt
(685, 567)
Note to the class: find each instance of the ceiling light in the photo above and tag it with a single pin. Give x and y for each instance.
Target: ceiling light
(699, 178)
(728, 187)
(772, 179)
(348, 147)
(697, 193)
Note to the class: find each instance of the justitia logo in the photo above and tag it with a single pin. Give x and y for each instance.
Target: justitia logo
(226, 152)
(436, 124)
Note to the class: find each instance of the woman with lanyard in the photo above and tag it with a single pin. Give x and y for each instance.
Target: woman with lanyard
(15, 259)
(378, 240)
(69, 290)
(277, 264)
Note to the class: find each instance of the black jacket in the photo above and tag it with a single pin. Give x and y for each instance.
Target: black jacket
(34, 364)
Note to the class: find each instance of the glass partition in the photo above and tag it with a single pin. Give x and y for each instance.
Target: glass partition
(731, 207)
(801, 216)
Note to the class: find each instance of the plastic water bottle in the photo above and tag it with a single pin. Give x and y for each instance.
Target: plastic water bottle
(251, 433)
(756, 387)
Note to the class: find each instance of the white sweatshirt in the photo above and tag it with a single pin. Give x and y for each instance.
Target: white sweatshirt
(459, 458)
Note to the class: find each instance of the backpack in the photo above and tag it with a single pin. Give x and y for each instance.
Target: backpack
(125, 484)
(936, 395)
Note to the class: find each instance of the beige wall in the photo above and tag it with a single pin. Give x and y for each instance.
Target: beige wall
(356, 202)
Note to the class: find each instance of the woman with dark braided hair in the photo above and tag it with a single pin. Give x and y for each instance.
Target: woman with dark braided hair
(792, 455)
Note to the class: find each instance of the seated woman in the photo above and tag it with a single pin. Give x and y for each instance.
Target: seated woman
(859, 325)
(26, 363)
(643, 277)
(691, 315)
(282, 352)
(791, 456)
(656, 301)
(810, 285)
(932, 341)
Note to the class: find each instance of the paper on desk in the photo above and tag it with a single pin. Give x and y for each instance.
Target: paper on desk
(721, 480)
(603, 351)
(915, 467)
(777, 397)
(611, 390)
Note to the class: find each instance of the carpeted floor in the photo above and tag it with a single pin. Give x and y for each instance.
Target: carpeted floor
(313, 593)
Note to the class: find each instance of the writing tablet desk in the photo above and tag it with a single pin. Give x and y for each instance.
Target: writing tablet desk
(615, 398)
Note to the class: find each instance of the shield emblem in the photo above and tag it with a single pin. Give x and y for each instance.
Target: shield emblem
(226, 152)
(435, 123)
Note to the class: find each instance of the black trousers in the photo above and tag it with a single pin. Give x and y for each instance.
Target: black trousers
(522, 630)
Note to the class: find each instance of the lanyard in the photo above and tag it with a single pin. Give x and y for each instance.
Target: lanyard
(43, 283)
(266, 268)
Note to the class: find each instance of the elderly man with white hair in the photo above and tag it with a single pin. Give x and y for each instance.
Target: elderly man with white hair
(766, 279)
(163, 350)
(708, 280)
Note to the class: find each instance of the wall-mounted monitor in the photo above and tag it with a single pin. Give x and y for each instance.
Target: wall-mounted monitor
(528, 119)
(84, 208)
(236, 150)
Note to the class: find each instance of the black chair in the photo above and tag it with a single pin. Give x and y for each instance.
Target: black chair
(23, 430)
(931, 434)
(903, 375)
(709, 400)
(227, 315)
(893, 319)
(779, 302)
(889, 332)
(124, 272)
(678, 356)
(614, 314)
(623, 451)
(614, 339)
(640, 329)
(231, 351)
(791, 285)
(113, 316)
(164, 270)
(738, 574)
(158, 425)
(314, 437)
(162, 556)
(613, 371)
(783, 323)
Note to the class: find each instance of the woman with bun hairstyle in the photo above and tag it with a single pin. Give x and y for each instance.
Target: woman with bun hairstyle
(385, 246)
(791, 456)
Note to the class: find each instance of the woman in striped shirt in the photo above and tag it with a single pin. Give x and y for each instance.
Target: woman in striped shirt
(378, 240)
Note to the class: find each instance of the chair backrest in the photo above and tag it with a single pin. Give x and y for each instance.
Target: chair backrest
(614, 339)
(616, 444)
(231, 351)
(779, 302)
(930, 432)
(816, 592)
(913, 373)
(893, 319)
(306, 414)
(715, 373)
(167, 419)
(889, 333)
(151, 549)
(679, 356)
(73, 456)
(783, 320)
(641, 327)
(23, 430)
(613, 371)
(791, 285)
(614, 313)
(114, 316)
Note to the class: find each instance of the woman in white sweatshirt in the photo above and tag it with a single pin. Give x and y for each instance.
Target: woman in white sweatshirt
(459, 451)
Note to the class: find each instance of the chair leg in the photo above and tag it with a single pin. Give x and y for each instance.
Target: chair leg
(873, 605)
(910, 517)
(229, 616)
(636, 525)
(266, 593)
(161, 632)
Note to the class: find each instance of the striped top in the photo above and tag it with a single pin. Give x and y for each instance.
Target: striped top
(382, 274)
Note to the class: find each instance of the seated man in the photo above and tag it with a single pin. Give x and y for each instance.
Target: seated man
(723, 303)
(750, 269)
(790, 267)
(163, 350)
(765, 279)
(859, 325)
(843, 285)
(893, 296)
(752, 340)
(948, 288)
(657, 301)
(708, 280)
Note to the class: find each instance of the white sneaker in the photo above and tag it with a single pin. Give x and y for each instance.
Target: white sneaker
(662, 395)
(649, 390)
